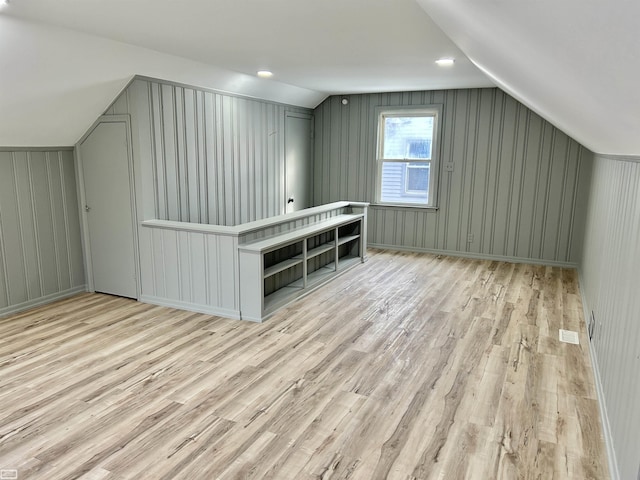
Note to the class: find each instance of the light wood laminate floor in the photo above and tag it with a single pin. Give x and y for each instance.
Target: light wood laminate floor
(411, 366)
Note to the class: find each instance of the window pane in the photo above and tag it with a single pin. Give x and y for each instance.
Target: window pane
(408, 137)
(405, 182)
(417, 178)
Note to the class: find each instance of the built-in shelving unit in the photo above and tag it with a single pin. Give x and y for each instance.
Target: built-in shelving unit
(250, 270)
(277, 270)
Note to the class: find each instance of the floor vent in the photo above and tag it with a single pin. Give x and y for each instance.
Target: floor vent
(568, 336)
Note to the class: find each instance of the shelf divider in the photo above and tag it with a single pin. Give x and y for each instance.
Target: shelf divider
(347, 239)
(314, 252)
(280, 267)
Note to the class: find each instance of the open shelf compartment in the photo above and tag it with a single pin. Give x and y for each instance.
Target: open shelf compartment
(297, 261)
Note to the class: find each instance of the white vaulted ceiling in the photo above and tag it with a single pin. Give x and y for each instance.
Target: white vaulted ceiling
(64, 61)
(575, 62)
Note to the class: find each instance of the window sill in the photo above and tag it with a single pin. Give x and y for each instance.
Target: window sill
(403, 206)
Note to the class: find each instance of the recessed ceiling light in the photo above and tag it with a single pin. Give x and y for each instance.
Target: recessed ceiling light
(445, 62)
(4, 3)
(265, 74)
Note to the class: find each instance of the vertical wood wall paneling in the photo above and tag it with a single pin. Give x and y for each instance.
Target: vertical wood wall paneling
(610, 284)
(204, 157)
(43, 223)
(214, 158)
(157, 141)
(27, 226)
(147, 264)
(40, 246)
(189, 270)
(213, 259)
(171, 264)
(198, 281)
(159, 260)
(516, 185)
(72, 220)
(14, 267)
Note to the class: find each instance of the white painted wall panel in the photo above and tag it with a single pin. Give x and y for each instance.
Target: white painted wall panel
(610, 285)
(158, 263)
(171, 262)
(212, 262)
(185, 266)
(40, 247)
(519, 185)
(147, 266)
(198, 280)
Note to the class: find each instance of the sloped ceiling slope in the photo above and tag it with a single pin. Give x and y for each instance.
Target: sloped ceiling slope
(64, 61)
(575, 62)
(331, 46)
(55, 82)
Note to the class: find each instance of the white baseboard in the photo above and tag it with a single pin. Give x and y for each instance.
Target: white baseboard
(36, 302)
(614, 474)
(192, 307)
(479, 256)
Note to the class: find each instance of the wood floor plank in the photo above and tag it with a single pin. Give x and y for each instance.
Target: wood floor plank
(411, 366)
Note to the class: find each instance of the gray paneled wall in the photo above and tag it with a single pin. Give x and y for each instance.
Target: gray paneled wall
(192, 270)
(40, 246)
(206, 157)
(611, 285)
(519, 185)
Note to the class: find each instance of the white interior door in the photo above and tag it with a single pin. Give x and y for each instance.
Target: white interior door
(104, 155)
(297, 137)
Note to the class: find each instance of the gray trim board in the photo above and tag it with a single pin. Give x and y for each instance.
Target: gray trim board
(36, 149)
(478, 256)
(192, 307)
(12, 309)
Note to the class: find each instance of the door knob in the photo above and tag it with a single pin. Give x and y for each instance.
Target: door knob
(87, 208)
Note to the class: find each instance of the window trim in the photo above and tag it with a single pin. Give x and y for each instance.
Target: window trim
(434, 110)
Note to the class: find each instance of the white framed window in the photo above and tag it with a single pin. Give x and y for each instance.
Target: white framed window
(407, 155)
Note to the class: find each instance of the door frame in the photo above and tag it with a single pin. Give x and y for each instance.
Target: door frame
(305, 116)
(82, 200)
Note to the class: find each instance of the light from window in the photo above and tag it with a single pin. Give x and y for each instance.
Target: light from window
(417, 179)
(406, 162)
